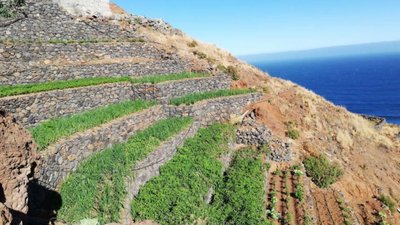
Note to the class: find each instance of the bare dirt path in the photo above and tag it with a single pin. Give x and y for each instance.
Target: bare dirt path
(327, 207)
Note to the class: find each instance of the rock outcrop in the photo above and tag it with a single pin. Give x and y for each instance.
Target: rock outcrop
(16, 161)
(5, 215)
(87, 7)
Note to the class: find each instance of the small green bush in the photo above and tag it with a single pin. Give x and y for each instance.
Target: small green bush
(388, 202)
(265, 149)
(200, 55)
(299, 192)
(231, 70)
(9, 7)
(322, 172)
(293, 134)
(193, 44)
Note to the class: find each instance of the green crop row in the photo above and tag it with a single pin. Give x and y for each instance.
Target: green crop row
(12, 90)
(240, 199)
(53, 130)
(196, 97)
(178, 195)
(97, 188)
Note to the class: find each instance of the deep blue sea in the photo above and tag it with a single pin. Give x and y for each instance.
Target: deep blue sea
(368, 84)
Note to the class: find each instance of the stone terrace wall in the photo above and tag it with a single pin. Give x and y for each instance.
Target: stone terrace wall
(148, 168)
(63, 157)
(33, 74)
(78, 51)
(163, 92)
(34, 108)
(214, 110)
(46, 20)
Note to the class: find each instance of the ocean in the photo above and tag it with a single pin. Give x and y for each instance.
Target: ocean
(366, 84)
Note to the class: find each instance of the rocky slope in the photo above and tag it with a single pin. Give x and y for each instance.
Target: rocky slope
(370, 157)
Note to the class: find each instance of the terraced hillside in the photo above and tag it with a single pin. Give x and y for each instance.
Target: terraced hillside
(131, 121)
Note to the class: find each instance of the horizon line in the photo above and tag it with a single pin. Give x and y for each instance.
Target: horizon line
(312, 49)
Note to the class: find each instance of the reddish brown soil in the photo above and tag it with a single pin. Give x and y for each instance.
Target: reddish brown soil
(328, 210)
(16, 158)
(367, 213)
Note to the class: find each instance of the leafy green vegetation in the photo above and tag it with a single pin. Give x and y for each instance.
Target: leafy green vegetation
(11, 90)
(388, 202)
(292, 132)
(196, 97)
(308, 220)
(169, 77)
(177, 195)
(241, 198)
(346, 211)
(97, 188)
(53, 130)
(299, 190)
(8, 7)
(322, 172)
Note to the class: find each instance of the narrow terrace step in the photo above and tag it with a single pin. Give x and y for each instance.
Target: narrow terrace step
(177, 195)
(149, 167)
(64, 156)
(33, 108)
(97, 188)
(208, 108)
(37, 74)
(51, 52)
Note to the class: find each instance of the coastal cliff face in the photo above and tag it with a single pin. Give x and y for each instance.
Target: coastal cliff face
(63, 41)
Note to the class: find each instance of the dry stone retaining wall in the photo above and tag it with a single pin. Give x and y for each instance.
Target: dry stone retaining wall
(64, 157)
(78, 51)
(45, 20)
(33, 74)
(214, 110)
(163, 92)
(34, 108)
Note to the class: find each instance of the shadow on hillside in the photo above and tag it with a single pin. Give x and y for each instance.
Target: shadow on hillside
(43, 205)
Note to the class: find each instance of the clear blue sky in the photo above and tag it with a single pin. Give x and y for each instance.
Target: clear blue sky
(266, 26)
